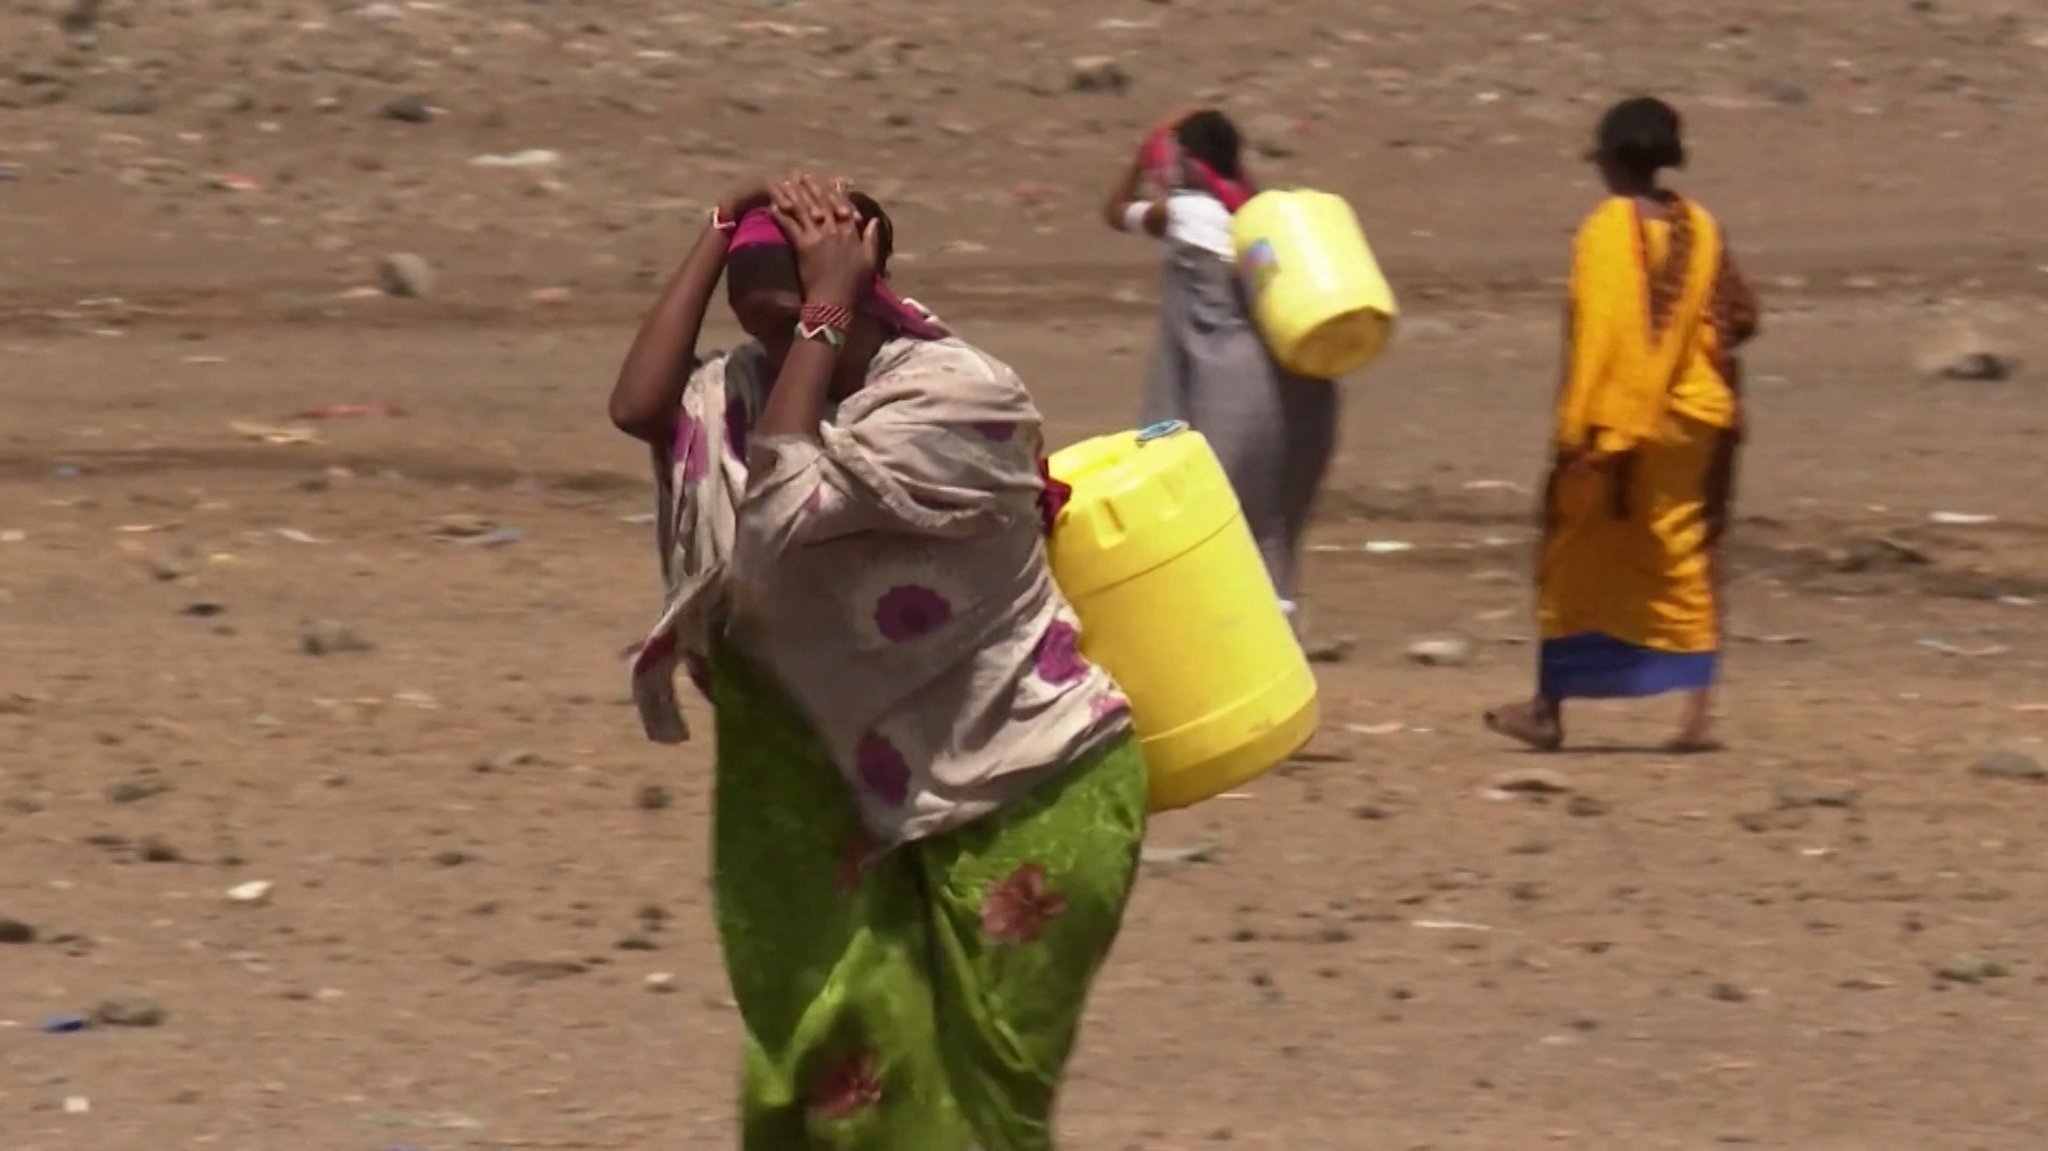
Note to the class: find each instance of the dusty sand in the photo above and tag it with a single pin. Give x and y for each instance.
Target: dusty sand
(1829, 937)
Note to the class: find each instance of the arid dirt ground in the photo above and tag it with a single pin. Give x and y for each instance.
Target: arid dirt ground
(230, 661)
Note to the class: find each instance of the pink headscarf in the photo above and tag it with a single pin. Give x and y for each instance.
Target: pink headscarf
(758, 229)
(1170, 166)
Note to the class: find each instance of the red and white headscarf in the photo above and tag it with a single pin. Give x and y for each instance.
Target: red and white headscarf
(1170, 166)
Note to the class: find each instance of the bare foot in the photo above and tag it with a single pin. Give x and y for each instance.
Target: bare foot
(1527, 723)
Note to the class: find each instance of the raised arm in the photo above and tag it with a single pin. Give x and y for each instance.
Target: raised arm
(1126, 210)
(650, 383)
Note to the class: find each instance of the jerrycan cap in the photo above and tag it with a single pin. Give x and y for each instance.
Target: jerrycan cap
(1161, 430)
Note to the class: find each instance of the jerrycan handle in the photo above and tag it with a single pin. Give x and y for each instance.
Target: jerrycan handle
(1161, 430)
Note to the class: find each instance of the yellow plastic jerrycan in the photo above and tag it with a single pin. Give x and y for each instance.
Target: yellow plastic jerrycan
(1316, 293)
(1175, 603)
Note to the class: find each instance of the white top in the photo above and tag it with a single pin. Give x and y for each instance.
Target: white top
(1194, 219)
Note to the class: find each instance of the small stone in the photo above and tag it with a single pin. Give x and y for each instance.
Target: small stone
(552, 297)
(1193, 853)
(1784, 93)
(2010, 765)
(1981, 366)
(453, 858)
(1795, 794)
(15, 931)
(1532, 781)
(1960, 351)
(1585, 807)
(127, 102)
(463, 526)
(1728, 993)
(1441, 653)
(506, 761)
(228, 100)
(129, 1010)
(156, 850)
(653, 797)
(332, 637)
(408, 110)
(1329, 650)
(172, 566)
(252, 892)
(638, 943)
(137, 789)
(1100, 74)
(540, 970)
(1972, 969)
(660, 982)
(405, 276)
(1877, 553)
(80, 19)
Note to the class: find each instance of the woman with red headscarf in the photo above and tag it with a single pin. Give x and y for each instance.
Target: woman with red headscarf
(929, 805)
(1273, 431)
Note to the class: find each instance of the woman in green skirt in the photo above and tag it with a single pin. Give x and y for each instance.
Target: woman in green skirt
(929, 805)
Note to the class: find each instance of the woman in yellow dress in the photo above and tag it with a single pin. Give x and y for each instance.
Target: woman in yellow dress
(1648, 422)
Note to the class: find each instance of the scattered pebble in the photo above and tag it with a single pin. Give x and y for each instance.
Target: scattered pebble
(137, 789)
(2010, 765)
(408, 110)
(653, 797)
(1585, 807)
(332, 637)
(463, 526)
(405, 276)
(1971, 969)
(1164, 855)
(660, 982)
(1441, 652)
(1529, 781)
(252, 892)
(1795, 794)
(15, 931)
(530, 158)
(127, 102)
(1959, 350)
(129, 1010)
(1098, 74)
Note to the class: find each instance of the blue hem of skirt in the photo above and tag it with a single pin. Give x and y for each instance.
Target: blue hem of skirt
(1591, 665)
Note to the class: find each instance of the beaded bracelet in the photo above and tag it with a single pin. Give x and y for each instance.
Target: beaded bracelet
(826, 323)
(827, 315)
(821, 333)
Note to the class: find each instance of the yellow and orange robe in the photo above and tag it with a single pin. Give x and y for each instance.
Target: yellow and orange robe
(1628, 599)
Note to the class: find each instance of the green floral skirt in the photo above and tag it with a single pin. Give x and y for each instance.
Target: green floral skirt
(925, 999)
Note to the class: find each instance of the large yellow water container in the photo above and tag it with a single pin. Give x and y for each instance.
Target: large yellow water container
(1316, 292)
(1175, 603)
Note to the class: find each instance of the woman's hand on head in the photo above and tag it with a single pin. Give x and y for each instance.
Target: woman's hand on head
(836, 253)
(747, 195)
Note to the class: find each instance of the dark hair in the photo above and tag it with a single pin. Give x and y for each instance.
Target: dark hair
(774, 268)
(1641, 136)
(885, 228)
(1210, 137)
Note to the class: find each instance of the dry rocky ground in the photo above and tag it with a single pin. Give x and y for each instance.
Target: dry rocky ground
(322, 811)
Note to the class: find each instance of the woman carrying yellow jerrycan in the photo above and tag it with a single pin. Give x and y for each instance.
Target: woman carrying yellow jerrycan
(1267, 406)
